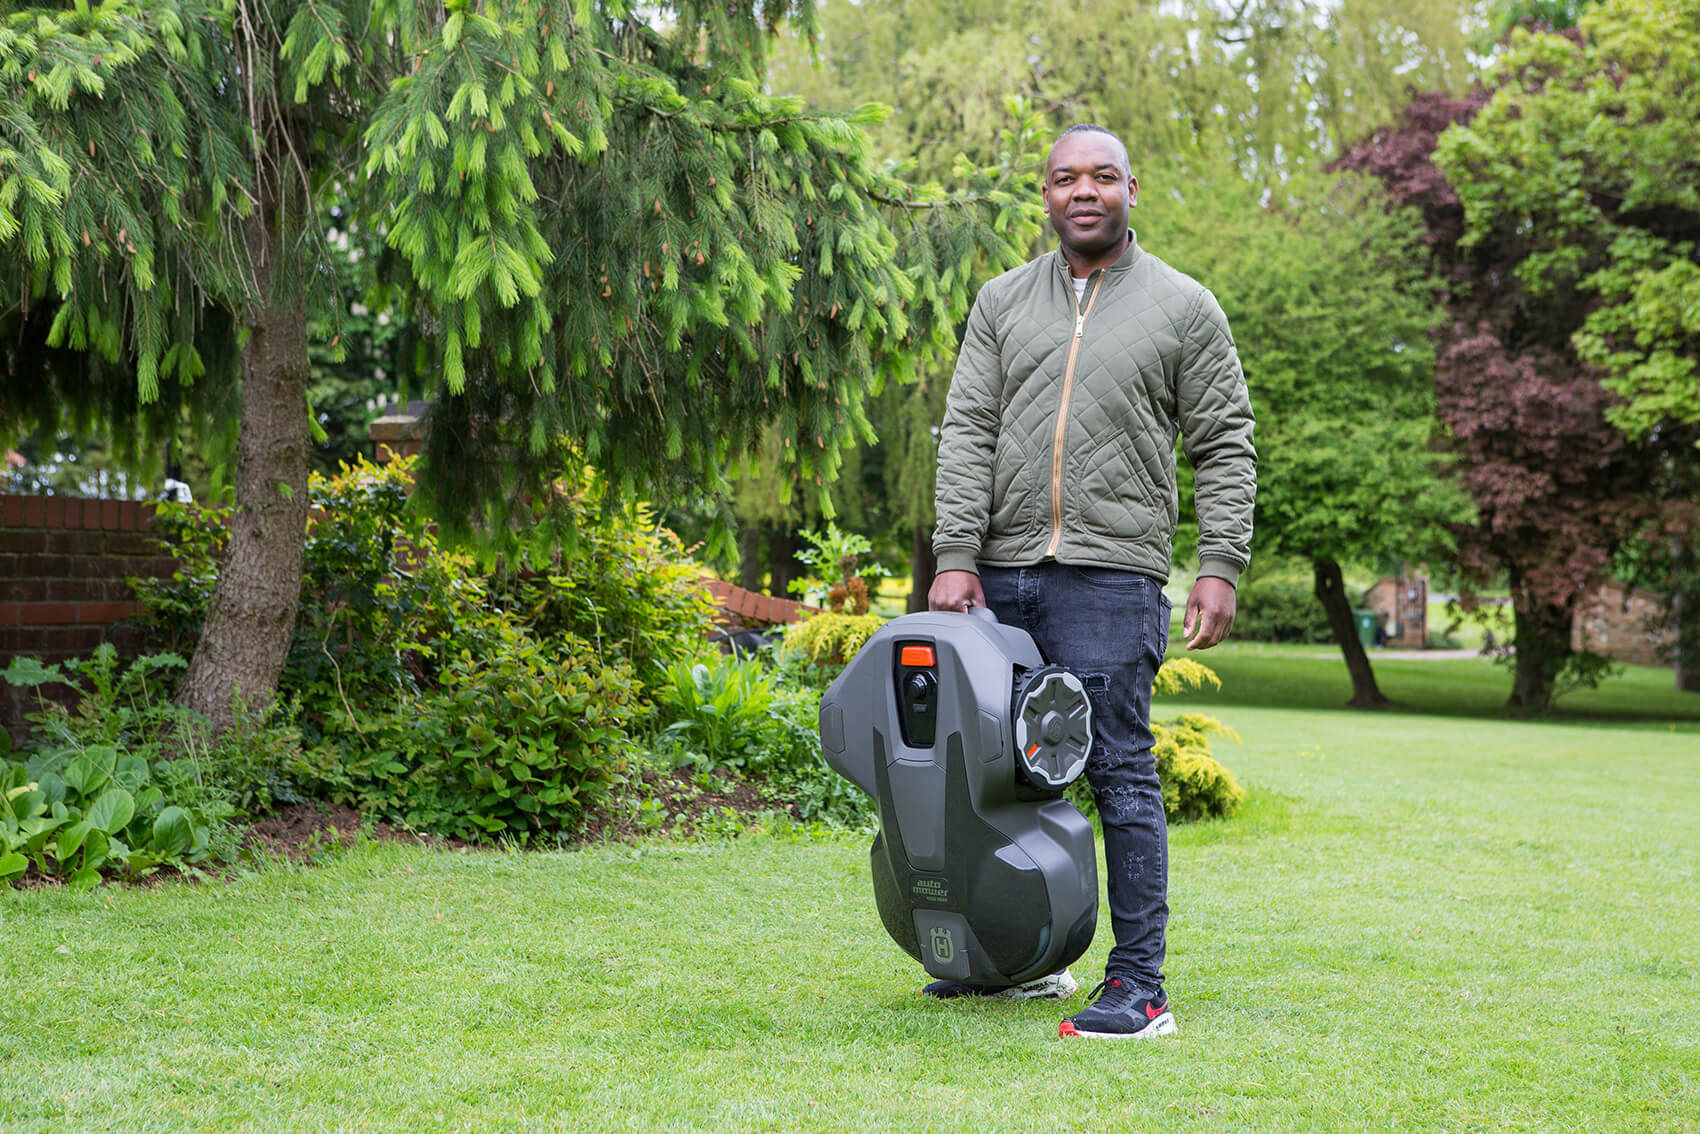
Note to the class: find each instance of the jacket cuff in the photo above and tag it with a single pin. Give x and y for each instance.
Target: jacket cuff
(958, 559)
(1220, 569)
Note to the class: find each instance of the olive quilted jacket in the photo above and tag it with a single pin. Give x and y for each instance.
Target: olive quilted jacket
(1059, 432)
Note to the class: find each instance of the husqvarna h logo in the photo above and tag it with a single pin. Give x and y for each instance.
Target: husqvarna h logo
(944, 945)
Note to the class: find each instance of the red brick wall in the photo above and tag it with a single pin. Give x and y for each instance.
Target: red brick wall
(63, 562)
(1623, 626)
(1404, 603)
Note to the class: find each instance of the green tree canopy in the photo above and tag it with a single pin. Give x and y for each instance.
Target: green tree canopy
(1586, 154)
(1268, 85)
(612, 241)
(1578, 179)
(1328, 292)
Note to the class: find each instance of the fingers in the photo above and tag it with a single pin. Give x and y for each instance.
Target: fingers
(955, 590)
(1208, 634)
(1212, 627)
(1204, 626)
(1209, 613)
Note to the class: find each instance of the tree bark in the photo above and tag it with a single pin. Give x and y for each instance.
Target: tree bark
(923, 565)
(782, 563)
(251, 619)
(1541, 638)
(1685, 617)
(1331, 592)
(749, 558)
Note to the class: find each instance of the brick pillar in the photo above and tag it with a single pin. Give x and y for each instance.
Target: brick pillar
(400, 433)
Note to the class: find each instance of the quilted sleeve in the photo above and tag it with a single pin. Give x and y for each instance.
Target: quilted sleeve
(968, 440)
(1216, 422)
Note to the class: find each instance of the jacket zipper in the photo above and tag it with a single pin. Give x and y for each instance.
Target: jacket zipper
(1062, 416)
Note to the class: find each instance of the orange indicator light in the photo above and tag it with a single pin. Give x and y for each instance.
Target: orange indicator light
(917, 655)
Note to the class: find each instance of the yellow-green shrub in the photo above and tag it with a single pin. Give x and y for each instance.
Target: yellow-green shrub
(1195, 784)
(832, 639)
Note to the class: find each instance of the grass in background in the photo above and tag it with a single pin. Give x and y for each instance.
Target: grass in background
(1314, 677)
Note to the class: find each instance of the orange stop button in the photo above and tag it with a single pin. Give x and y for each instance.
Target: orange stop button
(917, 656)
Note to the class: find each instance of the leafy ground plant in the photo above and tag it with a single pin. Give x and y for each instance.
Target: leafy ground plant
(73, 816)
(515, 744)
(743, 715)
(126, 783)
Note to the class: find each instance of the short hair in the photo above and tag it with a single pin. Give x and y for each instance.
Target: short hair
(1090, 128)
(1094, 128)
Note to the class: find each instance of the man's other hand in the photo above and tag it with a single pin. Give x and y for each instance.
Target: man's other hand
(955, 590)
(1209, 612)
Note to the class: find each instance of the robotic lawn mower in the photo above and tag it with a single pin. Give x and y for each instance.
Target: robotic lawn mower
(965, 739)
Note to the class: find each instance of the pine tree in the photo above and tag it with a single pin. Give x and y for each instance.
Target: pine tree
(616, 246)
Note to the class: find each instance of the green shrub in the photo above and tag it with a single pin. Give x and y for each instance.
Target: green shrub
(624, 584)
(173, 609)
(1195, 784)
(1179, 675)
(725, 712)
(123, 783)
(1279, 610)
(514, 745)
(831, 639)
(254, 763)
(383, 605)
(432, 697)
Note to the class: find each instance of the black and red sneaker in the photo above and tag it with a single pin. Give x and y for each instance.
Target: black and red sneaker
(1121, 1011)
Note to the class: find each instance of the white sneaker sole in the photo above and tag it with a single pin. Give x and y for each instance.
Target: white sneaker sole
(1163, 1025)
(1057, 986)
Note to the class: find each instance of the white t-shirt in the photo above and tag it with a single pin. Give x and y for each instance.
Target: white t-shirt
(1079, 288)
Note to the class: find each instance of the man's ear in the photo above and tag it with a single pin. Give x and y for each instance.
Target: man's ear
(1132, 192)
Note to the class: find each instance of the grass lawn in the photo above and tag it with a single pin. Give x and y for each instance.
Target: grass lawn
(1420, 920)
(1314, 677)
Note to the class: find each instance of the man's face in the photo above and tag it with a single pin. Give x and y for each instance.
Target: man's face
(1088, 191)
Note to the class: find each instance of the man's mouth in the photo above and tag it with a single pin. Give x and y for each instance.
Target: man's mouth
(1085, 214)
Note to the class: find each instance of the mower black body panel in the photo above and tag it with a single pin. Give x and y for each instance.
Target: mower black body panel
(978, 874)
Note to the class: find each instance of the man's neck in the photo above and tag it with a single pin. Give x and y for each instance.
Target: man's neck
(1083, 264)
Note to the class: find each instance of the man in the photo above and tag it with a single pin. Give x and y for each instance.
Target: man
(1057, 506)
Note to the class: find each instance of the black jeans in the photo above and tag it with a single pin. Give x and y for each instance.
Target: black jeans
(1111, 628)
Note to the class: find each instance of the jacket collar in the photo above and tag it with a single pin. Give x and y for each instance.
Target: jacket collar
(1127, 259)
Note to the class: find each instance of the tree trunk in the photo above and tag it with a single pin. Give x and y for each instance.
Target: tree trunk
(1541, 639)
(1331, 592)
(923, 565)
(251, 619)
(783, 567)
(1685, 616)
(749, 558)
